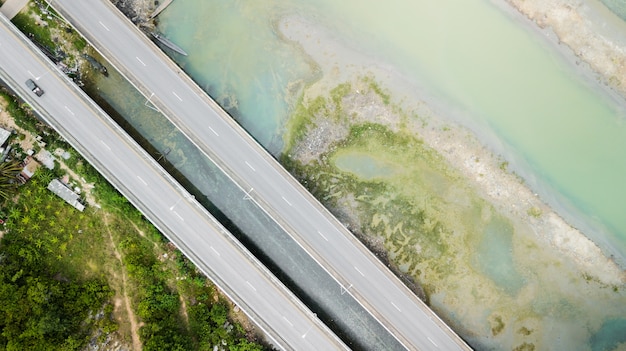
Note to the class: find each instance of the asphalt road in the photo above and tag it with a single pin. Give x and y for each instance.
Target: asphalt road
(138, 177)
(282, 197)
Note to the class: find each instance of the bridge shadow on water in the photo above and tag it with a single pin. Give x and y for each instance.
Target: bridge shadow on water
(246, 221)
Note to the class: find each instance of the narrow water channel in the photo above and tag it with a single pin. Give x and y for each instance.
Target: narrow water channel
(225, 200)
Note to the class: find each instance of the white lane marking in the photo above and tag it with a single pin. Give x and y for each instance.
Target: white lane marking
(178, 97)
(253, 288)
(143, 181)
(181, 218)
(249, 165)
(138, 59)
(31, 73)
(431, 340)
(359, 271)
(70, 111)
(320, 233)
(105, 145)
(217, 253)
(105, 27)
(214, 132)
(397, 308)
(285, 318)
(287, 201)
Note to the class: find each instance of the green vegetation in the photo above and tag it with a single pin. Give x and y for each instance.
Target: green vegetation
(22, 117)
(39, 31)
(46, 28)
(46, 303)
(504, 165)
(79, 43)
(8, 178)
(61, 271)
(497, 326)
(534, 212)
(378, 90)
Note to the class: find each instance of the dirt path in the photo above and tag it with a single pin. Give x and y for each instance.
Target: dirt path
(132, 318)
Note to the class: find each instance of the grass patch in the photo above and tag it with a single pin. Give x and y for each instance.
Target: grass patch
(73, 258)
(375, 87)
(534, 212)
(40, 33)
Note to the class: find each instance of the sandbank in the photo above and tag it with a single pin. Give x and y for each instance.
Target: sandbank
(340, 63)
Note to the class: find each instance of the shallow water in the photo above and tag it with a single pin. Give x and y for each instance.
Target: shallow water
(495, 256)
(364, 166)
(476, 62)
(557, 130)
(616, 6)
(251, 225)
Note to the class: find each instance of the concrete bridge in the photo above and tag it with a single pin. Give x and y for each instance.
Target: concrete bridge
(271, 306)
(10, 8)
(292, 207)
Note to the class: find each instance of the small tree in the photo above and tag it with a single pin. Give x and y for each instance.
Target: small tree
(8, 178)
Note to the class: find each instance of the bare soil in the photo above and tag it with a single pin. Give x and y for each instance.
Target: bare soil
(122, 299)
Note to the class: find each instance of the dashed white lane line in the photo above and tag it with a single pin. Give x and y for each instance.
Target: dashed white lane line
(105, 27)
(355, 267)
(178, 97)
(143, 181)
(181, 218)
(252, 286)
(322, 235)
(249, 165)
(287, 201)
(105, 145)
(138, 59)
(397, 308)
(214, 132)
(70, 111)
(285, 318)
(431, 341)
(217, 253)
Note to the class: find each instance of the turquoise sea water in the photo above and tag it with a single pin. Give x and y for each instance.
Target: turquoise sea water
(566, 138)
(488, 68)
(617, 6)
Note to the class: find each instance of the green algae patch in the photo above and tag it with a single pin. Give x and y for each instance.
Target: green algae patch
(400, 192)
(482, 271)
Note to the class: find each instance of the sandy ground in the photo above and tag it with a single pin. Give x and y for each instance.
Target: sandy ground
(594, 34)
(460, 148)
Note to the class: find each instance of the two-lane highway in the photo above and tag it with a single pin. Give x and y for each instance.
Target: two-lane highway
(252, 168)
(286, 321)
